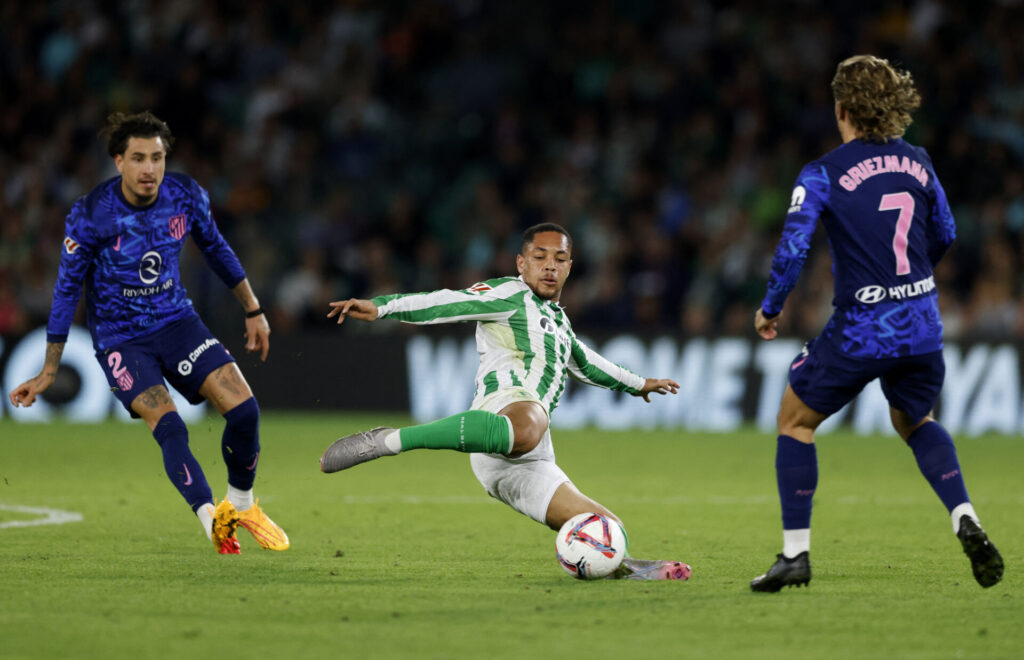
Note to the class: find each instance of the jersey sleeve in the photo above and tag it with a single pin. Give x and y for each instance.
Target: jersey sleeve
(219, 255)
(942, 228)
(590, 367)
(480, 302)
(810, 196)
(77, 253)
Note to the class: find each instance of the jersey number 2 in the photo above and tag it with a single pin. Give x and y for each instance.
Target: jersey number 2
(114, 361)
(904, 203)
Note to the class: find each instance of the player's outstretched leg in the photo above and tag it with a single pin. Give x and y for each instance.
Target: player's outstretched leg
(784, 573)
(474, 431)
(651, 569)
(986, 562)
(355, 449)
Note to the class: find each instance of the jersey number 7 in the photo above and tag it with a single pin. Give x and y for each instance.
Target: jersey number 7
(904, 203)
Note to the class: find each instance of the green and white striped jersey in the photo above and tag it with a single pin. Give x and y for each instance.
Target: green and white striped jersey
(523, 341)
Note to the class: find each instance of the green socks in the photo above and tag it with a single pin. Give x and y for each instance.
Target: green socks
(470, 431)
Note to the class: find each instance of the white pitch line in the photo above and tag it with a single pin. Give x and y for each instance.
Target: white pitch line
(49, 516)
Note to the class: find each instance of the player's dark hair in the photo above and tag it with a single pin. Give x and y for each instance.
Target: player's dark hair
(121, 127)
(542, 227)
(877, 96)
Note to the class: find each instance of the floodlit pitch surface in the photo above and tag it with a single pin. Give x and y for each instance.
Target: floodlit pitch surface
(407, 557)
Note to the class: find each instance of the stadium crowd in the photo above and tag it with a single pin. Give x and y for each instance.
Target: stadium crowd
(353, 148)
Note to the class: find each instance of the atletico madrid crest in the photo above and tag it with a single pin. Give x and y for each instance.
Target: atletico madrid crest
(178, 225)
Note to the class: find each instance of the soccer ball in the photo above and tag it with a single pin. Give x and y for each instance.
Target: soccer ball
(590, 546)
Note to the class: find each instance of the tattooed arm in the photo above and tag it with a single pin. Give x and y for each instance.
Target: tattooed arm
(25, 394)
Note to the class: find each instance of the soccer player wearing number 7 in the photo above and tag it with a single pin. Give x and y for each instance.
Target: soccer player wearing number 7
(527, 347)
(888, 223)
(122, 241)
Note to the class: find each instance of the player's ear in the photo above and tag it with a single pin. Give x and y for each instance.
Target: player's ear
(119, 163)
(520, 262)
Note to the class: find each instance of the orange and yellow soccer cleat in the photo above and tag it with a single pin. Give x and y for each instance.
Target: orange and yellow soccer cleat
(225, 522)
(263, 529)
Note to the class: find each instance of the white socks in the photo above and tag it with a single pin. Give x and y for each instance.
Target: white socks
(205, 515)
(393, 441)
(795, 541)
(961, 510)
(241, 499)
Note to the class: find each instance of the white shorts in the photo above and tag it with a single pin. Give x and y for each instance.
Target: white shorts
(526, 483)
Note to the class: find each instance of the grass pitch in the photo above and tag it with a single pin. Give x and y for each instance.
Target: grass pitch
(407, 557)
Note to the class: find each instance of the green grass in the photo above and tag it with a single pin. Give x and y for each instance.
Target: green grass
(407, 557)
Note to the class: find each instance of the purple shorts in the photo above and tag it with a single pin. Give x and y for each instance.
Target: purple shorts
(184, 352)
(827, 380)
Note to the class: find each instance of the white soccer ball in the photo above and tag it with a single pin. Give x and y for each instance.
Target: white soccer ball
(590, 546)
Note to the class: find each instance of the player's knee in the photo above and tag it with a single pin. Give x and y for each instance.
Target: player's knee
(529, 424)
(796, 419)
(526, 434)
(524, 442)
(904, 424)
(170, 426)
(245, 415)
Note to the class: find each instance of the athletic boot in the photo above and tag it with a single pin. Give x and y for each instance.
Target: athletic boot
(263, 529)
(784, 573)
(651, 569)
(355, 449)
(986, 561)
(225, 522)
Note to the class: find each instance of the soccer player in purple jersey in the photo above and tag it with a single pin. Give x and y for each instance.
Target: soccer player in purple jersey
(123, 241)
(888, 224)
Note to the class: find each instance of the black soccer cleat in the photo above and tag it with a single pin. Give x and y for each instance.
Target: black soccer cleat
(986, 562)
(784, 573)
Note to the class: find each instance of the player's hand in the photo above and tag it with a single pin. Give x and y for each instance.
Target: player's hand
(657, 386)
(25, 394)
(363, 310)
(766, 326)
(257, 336)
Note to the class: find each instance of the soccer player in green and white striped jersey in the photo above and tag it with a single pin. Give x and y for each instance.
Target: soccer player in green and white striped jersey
(527, 348)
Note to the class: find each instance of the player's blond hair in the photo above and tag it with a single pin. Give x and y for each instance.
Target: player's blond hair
(877, 96)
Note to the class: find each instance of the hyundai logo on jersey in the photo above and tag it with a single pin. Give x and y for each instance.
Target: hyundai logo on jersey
(869, 295)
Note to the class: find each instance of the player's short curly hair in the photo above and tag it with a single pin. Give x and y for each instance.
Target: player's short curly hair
(121, 127)
(542, 227)
(878, 97)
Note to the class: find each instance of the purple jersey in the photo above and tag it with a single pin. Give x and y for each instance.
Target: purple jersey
(127, 256)
(888, 224)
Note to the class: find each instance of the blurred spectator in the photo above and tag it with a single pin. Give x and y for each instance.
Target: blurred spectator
(353, 148)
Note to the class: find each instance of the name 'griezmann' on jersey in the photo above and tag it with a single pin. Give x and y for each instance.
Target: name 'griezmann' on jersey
(888, 224)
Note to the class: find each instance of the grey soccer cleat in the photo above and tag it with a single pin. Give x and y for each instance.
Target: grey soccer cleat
(784, 572)
(355, 449)
(986, 562)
